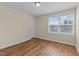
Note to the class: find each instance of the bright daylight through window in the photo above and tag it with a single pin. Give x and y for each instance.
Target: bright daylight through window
(62, 24)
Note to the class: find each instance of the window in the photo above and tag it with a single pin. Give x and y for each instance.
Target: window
(63, 23)
(53, 24)
(66, 23)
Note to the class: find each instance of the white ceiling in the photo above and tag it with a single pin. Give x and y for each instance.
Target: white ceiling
(45, 8)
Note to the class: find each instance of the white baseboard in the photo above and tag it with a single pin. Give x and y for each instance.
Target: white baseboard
(11, 44)
(56, 41)
(8, 45)
(77, 47)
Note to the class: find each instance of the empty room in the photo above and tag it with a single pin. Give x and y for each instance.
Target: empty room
(39, 28)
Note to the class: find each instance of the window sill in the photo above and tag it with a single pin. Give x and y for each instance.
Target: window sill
(61, 33)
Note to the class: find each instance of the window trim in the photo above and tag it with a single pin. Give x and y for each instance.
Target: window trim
(59, 32)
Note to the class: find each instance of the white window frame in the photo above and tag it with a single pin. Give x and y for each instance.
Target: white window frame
(59, 32)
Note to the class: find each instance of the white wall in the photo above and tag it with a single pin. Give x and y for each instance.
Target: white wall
(15, 26)
(42, 29)
(77, 27)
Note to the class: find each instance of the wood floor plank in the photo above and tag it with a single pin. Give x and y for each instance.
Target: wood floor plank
(40, 47)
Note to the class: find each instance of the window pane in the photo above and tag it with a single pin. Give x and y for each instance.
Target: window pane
(71, 19)
(53, 23)
(66, 28)
(53, 28)
(63, 20)
(67, 19)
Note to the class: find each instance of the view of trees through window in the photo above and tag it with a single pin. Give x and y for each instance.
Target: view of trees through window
(61, 23)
